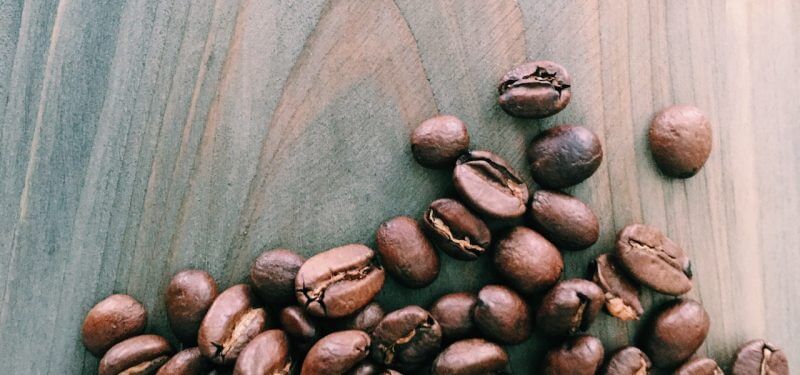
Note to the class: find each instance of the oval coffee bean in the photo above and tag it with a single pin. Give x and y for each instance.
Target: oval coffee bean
(186, 362)
(654, 260)
(267, 353)
(406, 338)
(571, 306)
(699, 366)
(680, 140)
(339, 281)
(232, 321)
(369, 368)
(580, 355)
(759, 357)
(628, 361)
(365, 319)
(621, 293)
(676, 333)
(438, 141)
(564, 156)
(188, 297)
(454, 313)
(273, 274)
(455, 230)
(564, 220)
(137, 355)
(529, 262)
(406, 253)
(300, 327)
(336, 353)
(502, 315)
(488, 184)
(112, 320)
(535, 89)
(471, 357)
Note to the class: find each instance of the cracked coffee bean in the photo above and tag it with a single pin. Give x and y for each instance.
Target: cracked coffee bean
(654, 260)
(580, 355)
(699, 366)
(267, 353)
(300, 327)
(339, 281)
(232, 321)
(488, 184)
(535, 90)
(759, 357)
(628, 361)
(438, 141)
(186, 362)
(337, 353)
(680, 140)
(365, 319)
(570, 307)
(564, 220)
(471, 357)
(529, 262)
(405, 339)
(188, 297)
(621, 293)
(455, 230)
(454, 313)
(112, 320)
(406, 253)
(137, 355)
(564, 156)
(676, 333)
(502, 315)
(273, 274)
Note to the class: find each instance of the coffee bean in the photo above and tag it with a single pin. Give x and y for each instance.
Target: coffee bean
(188, 297)
(628, 361)
(488, 184)
(570, 307)
(406, 338)
(564, 156)
(699, 366)
(535, 89)
(654, 260)
(455, 230)
(267, 353)
(621, 293)
(186, 362)
(676, 333)
(529, 262)
(759, 357)
(471, 357)
(680, 140)
(364, 320)
(438, 141)
(336, 353)
(232, 321)
(369, 368)
(300, 327)
(580, 355)
(564, 220)
(502, 315)
(137, 355)
(406, 253)
(339, 281)
(112, 320)
(273, 274)
(454, 313)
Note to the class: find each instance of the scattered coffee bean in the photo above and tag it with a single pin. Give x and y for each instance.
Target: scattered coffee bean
(336, 353)
(699, 366)
(570, 307)
(365, 319)
(676, 333)
(535, 90)
(137, 355)
(502, 315)
(188, 297)
(299, 327)
(406, 253)
(112, 320)
(564, 220)
(406, 338)
(488, 184)
(628, 361)
(267, 353)
(454, 313)
(580, 355)
(232, 321)
(438, 141)
(186, 362)
(759, 357)
(471, 357)
(680, 140)
(564, 156)
(529, 262)
(621, 293)
(654, 260)
(455, 230)
(273, 274)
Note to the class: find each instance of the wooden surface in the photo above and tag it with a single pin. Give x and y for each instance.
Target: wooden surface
(139, 138)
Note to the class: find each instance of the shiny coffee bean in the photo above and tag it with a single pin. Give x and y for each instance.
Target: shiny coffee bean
(339, 281)
(267, 353)
(628, 361)
(487, 183)
(369, 368)
(621, 293)
(564, 220)
(699, 366)
(502, 315)
(188, 297)
(299, 327)
(406, 338)
(273, 274)
(137, 355)
(529, 262)
(570, 307)
(455, 230)
(406, 253)
(654, 260)
(535, 89)
(438, 141)
(454, 313)
(759, 357)
(580, 355)
(676, 333)
(232, 321)
(365, 319)
(471, 357)
(112, 320)
(337, 353)
(186, 362)
(680, 140)
(564, 156)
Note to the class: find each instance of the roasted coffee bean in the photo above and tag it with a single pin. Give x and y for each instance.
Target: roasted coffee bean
(488, 184)
(112, 320)
(188, 297)
(406, 253)
(438, 141)
(454, 313)
(300, 327)
(364, 320)
(628, 361)
(273, 274)
(621, 293)
(676, 333)
(759, 357)
(580, 355)
(700, 366)
(455, 230)
(564, 220)
(369, 368)
(535, 89)
(502, 315)
(267, 353)
(564, 156)
(570, 307)
(339, 281)
(137, 355)
(336, 353)
(529, 262)
(680, 140)
(232, 321)
(471, 357)
(406, 338)
(654, 260)
(186, 362)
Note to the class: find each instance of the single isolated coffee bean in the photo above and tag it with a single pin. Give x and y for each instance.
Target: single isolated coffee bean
(336, 353)
(564, 155)
(535, 90)
(455, 230)
(365, 319)
(112, 320)
(137, 355)
(699, 366)
(654, 260)
(629, 360)
(529, 262)
(580, 355)
(676, 333)
(564, 220)
(232, 321)
(188, 297)
(620, 292)
(570, 307)
(273, 274)
(406, 253)
(267, 353)
(454, 313)
(299, 327)
(759, 357)
(502, 315)
(438, 141)
(471, 357)
(186, 362)
(339, 281)
(680, 140)
(405, 339)
(488, 184)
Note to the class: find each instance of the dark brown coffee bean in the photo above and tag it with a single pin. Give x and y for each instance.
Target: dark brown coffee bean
(112, 320)
(454, 313)
(438, 141)
(680, 140)
(406, 253)
(406, 338)
(654, 260)
(488, 184)
(336, 353)
(267, 353)
(759, 357)
(564, 156)
(699, 366)
(338, 282)
(535, 89)
(186, 362)
(676, 333)
(502, 315)
(621, 293)
(628, 361)
(137, 355)
(369, 368)
(580, 355)
(232, 321)
(570, 307)
(455, 230)
(273, 274)
(188, 297)
(529, 262)
(471, 357)
(365, 319)
(300, 327)
(564, 220)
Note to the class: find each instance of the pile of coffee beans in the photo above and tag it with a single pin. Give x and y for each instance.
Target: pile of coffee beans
(317, 316)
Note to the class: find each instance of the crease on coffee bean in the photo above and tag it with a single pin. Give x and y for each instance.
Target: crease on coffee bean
(318, 293)
(443, 229)
(510, 180)
(615, 304)
(236, 339)
(146, 367)
(539, 76)
(766, 352)
(642, 370)
(579, 319)
(662, 254)
(389, 351)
